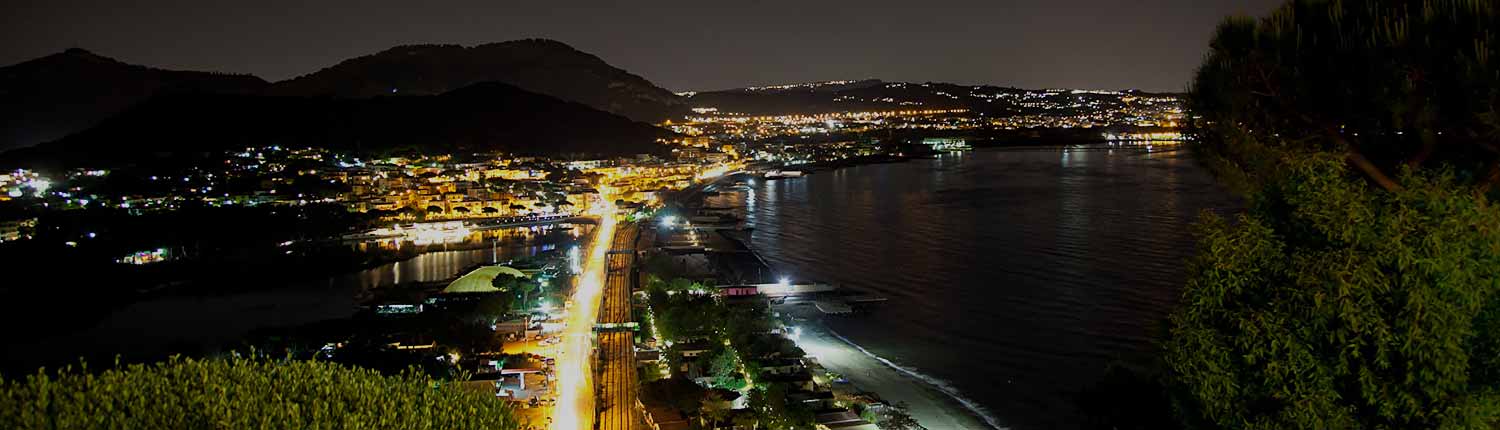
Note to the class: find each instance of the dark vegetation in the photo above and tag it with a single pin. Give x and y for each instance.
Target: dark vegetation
(243, 393)
(737, 337)
(1361, 289)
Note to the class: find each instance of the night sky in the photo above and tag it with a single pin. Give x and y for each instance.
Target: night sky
(680, 45)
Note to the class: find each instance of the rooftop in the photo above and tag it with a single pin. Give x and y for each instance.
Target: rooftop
(480, 280)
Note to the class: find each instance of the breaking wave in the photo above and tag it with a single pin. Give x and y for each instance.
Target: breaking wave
(937, 384)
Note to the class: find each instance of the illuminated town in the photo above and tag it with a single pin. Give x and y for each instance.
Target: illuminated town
(830, 215)
(602, 206)
(711, 143)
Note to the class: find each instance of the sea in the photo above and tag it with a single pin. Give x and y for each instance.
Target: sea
(195, 324)
(1014, 276)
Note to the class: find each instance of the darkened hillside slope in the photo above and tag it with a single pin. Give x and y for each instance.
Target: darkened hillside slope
(481, 117)
(536, 65)
(50, 97)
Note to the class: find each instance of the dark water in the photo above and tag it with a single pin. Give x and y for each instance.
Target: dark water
(1015, 276)
(202, 322)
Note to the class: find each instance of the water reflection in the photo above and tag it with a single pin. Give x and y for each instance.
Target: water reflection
(158, 324)
(1016, 275)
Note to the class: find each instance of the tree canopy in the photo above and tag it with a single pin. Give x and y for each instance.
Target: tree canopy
(243, 393)
(1388, 84)
(1333, 305)
(1361, 287)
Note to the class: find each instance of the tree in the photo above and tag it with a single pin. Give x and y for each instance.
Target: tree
(493, 306)
(1361, 288)
(712, 409)
(776, 412)
(724, 369)
(1331, 304)
(514, 284)
(746, 421)
(676, 392)
(527, 287)
(244, 393)
(1386, 85)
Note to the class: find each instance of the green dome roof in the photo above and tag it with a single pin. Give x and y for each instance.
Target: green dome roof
(481, 280)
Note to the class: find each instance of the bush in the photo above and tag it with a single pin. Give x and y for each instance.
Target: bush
(1331, 304)
(243, 393)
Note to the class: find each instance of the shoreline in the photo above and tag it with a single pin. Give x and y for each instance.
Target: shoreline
(931, 402)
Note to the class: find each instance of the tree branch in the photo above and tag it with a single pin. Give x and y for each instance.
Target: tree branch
(1423, 153)
(1371, 171)
(1491, 176)
(1353, 156)
(1358, 160)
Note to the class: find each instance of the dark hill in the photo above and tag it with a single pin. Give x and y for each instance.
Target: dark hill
(481, 117)
(50, 97)
(536, 65)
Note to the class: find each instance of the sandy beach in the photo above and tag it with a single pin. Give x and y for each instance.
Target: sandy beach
(933, 406)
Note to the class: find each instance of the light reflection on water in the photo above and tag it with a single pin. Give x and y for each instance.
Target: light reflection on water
(1016, 275)
(157, 324)
(442, 261)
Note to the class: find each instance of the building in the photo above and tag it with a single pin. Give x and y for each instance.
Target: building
(12, 230)
(780, 289)
(946, 143)
(481, 280)
(842, 420)
(663, 418)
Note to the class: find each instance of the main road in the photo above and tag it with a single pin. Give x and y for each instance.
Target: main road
(575, 396)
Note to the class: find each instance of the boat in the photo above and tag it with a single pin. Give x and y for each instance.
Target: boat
(783, 174)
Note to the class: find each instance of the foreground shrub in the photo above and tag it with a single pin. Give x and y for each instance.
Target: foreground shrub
(241, 393)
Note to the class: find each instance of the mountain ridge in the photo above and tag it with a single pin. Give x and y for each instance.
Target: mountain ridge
(49, 97)
(488, 116)
(538, 65)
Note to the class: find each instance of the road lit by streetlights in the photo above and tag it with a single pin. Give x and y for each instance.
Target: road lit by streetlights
(575, 403)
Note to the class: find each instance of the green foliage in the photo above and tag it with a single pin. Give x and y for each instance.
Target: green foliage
(724, 369)
(493, 307)
(712, 408)
(1332, 304)
(243, 393)
(520, 287)
(680, 314)
(776, 412)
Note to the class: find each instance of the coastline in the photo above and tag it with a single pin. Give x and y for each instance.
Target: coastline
(932, 405)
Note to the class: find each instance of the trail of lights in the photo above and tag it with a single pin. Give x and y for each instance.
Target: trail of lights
(575, 400)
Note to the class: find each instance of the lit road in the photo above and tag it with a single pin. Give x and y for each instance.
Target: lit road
(575, 397)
